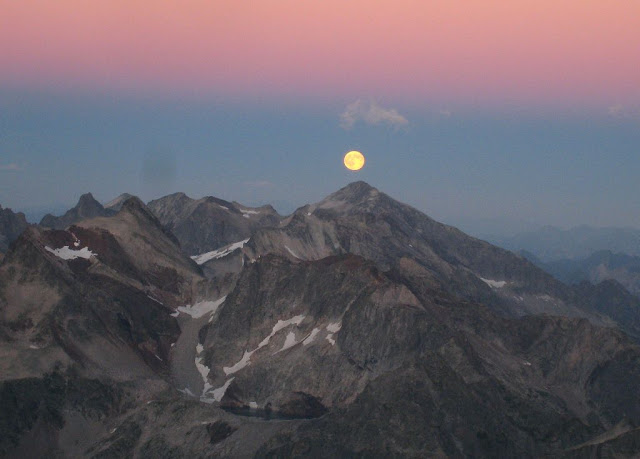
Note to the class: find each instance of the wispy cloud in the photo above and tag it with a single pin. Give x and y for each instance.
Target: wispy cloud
(370, 112)
(10, 167)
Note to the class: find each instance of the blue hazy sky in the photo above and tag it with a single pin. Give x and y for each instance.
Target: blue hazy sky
(483, 169)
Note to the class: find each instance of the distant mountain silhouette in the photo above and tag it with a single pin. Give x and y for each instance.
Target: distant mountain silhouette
(550, 243)
(87, 207)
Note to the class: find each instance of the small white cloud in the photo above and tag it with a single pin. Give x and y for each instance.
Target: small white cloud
(371, 113)
(10, 167)
(446, 113)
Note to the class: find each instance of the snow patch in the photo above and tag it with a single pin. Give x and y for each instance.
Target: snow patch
(290, 341)
(220, 391)
(246, 357)
(215, 254)
(201, 308)
(333, 328)
(493, 283)
(175, 314)
(202, 368)
(309, 339)
(223, 207)
(244, 361)
(152, 298)
(253, 405)
(249, 212)
(291, 252)
(69, 254)
(187, 391)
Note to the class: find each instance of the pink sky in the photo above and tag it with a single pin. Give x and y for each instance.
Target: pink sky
(480, 51)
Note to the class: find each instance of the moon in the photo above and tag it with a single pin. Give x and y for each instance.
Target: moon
(354, 160)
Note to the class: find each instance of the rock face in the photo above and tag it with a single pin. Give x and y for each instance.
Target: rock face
(11, 226)
(610, 298)
(356, 327)
(86, 327)
(209, 223)
(401, 367)
(360, 219)
(87, 207)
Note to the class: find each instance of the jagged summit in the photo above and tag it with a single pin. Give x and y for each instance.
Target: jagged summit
(355, 190)
(12, 224)
(87, 207)
(209, 223)
(116, 204)
(87, 201)
(353, 193)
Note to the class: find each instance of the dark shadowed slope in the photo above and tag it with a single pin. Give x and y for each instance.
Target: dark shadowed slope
(203, 225)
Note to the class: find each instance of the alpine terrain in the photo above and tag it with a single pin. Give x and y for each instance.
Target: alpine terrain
(355, 327)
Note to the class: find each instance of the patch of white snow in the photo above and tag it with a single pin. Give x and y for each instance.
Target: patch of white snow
(334, 327)
(330, 339)
(222, 252)
(309, 339)
(291, 252)
(244, 361)
(493, 283)
(219, 392)
(201, 308)
(69, 254)
(152, 298)
(253, 405)
(290, 341)
(187, 391)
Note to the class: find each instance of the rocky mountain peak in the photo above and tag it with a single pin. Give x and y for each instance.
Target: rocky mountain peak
(12, 224)
(116, 204)
(87, 200)
(354, 192)
(87, 207)
(141, 212)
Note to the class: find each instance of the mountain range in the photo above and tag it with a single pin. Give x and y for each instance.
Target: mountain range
(598, 267)
(551, 244)
(356, 326)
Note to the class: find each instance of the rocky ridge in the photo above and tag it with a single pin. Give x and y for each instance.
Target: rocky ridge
(357, 326)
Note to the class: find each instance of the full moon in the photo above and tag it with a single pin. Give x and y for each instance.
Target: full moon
(354, 160)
